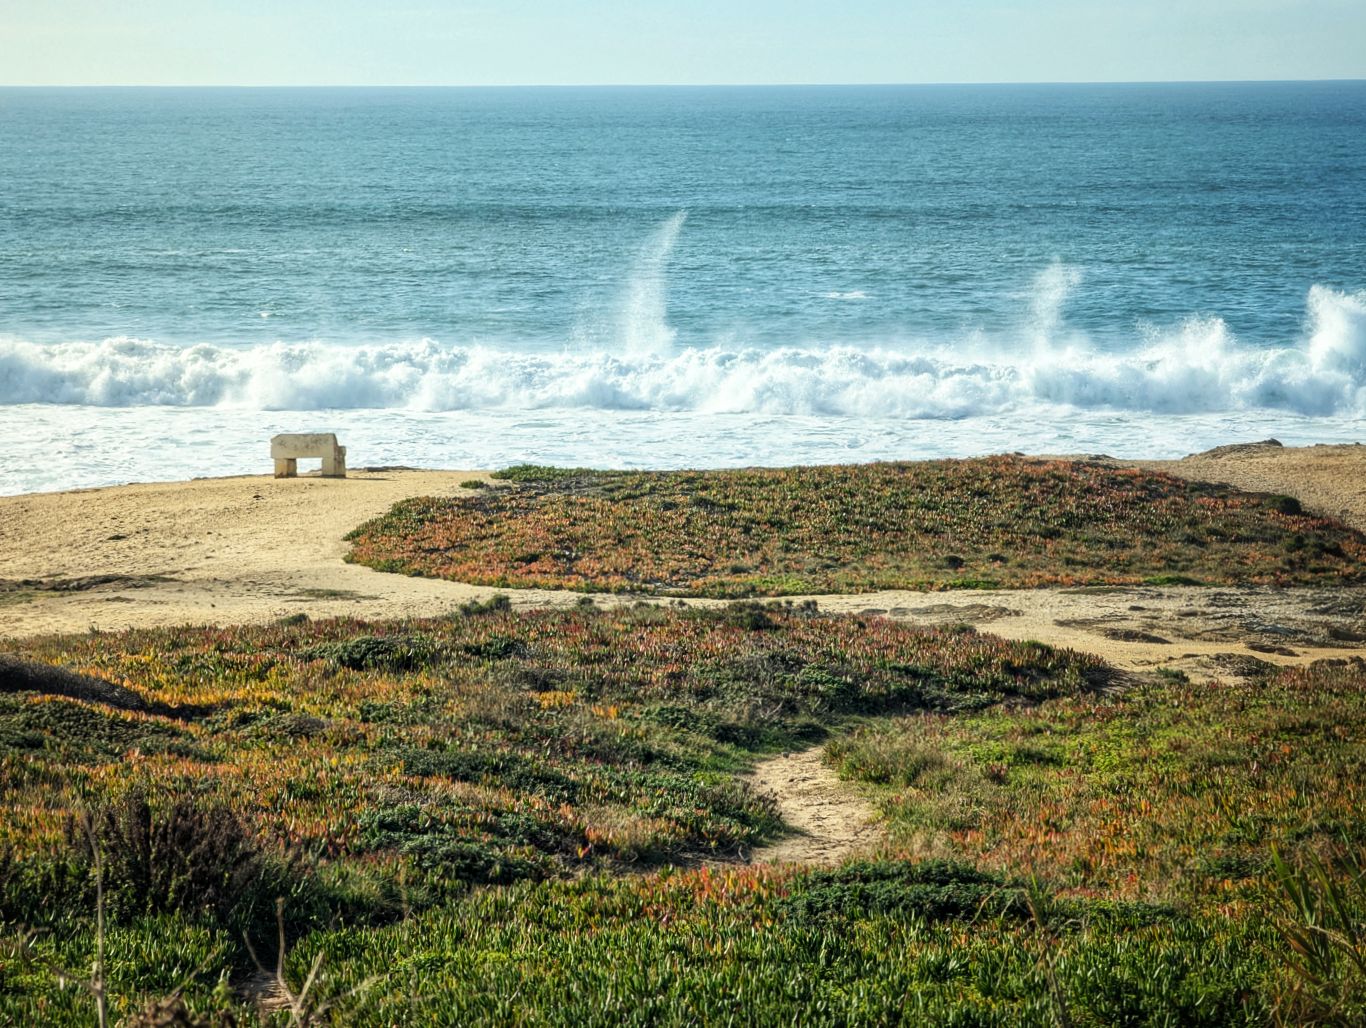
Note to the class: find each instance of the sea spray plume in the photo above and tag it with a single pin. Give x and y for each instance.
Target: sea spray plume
(1052, 287)
(643, 325)
(1337, 335)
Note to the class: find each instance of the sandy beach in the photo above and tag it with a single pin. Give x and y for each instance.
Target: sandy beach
(1325, 479)
(252, 549)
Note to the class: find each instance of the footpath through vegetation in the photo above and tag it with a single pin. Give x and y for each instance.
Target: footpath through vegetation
(444, 809)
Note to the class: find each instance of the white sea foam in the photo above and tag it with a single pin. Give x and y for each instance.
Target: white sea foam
(1195, 367)
(49, 447)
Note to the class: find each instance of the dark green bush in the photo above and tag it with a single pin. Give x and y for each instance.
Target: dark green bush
(444, 853)
(376, 652)
(76, 733)
(1284, 504)
(747, 615)
(498, 647)
(508, 770)
(542, 473)
(495, 604)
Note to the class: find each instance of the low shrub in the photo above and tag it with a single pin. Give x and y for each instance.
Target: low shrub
(884, 757)
(495, 604)
(183, 856)
(933, 890)
(376, 652)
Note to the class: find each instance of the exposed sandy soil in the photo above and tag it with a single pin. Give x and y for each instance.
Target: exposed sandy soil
(829, 819)
(217, 551)
(253, 549)
(1326, 479)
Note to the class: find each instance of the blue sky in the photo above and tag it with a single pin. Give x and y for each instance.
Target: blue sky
(411, 42)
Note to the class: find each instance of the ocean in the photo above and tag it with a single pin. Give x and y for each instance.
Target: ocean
(669, 277)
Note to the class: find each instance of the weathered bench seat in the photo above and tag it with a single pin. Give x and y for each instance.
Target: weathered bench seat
(286, 449)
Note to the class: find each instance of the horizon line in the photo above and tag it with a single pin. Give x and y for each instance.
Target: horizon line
(675, 85)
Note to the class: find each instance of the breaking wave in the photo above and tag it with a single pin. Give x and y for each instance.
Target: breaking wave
(1197, 367)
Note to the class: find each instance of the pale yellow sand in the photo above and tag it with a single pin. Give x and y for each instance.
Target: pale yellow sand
(254, 549)
(828, 818)
(1326, 479)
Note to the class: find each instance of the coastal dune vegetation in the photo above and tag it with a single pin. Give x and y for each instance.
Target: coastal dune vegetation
(489, 745)
(996, 522)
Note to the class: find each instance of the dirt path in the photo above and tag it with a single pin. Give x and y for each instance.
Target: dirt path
(253, 549)
(211, 551)
(1193, 629)
(831, 821)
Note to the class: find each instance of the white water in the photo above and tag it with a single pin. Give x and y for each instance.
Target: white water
(48, 447)
(97, 412)
(1196, 367)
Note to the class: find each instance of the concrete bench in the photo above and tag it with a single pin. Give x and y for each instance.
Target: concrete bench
(286, 450)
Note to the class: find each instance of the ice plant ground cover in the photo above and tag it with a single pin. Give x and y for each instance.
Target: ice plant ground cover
(447, 808)
(994, 522)
(495, 744)
(1181, 791)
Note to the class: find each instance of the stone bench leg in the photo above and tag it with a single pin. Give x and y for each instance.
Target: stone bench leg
(334, 466)
(286, 467)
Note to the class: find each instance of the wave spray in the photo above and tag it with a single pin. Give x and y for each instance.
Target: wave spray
(643, 325)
